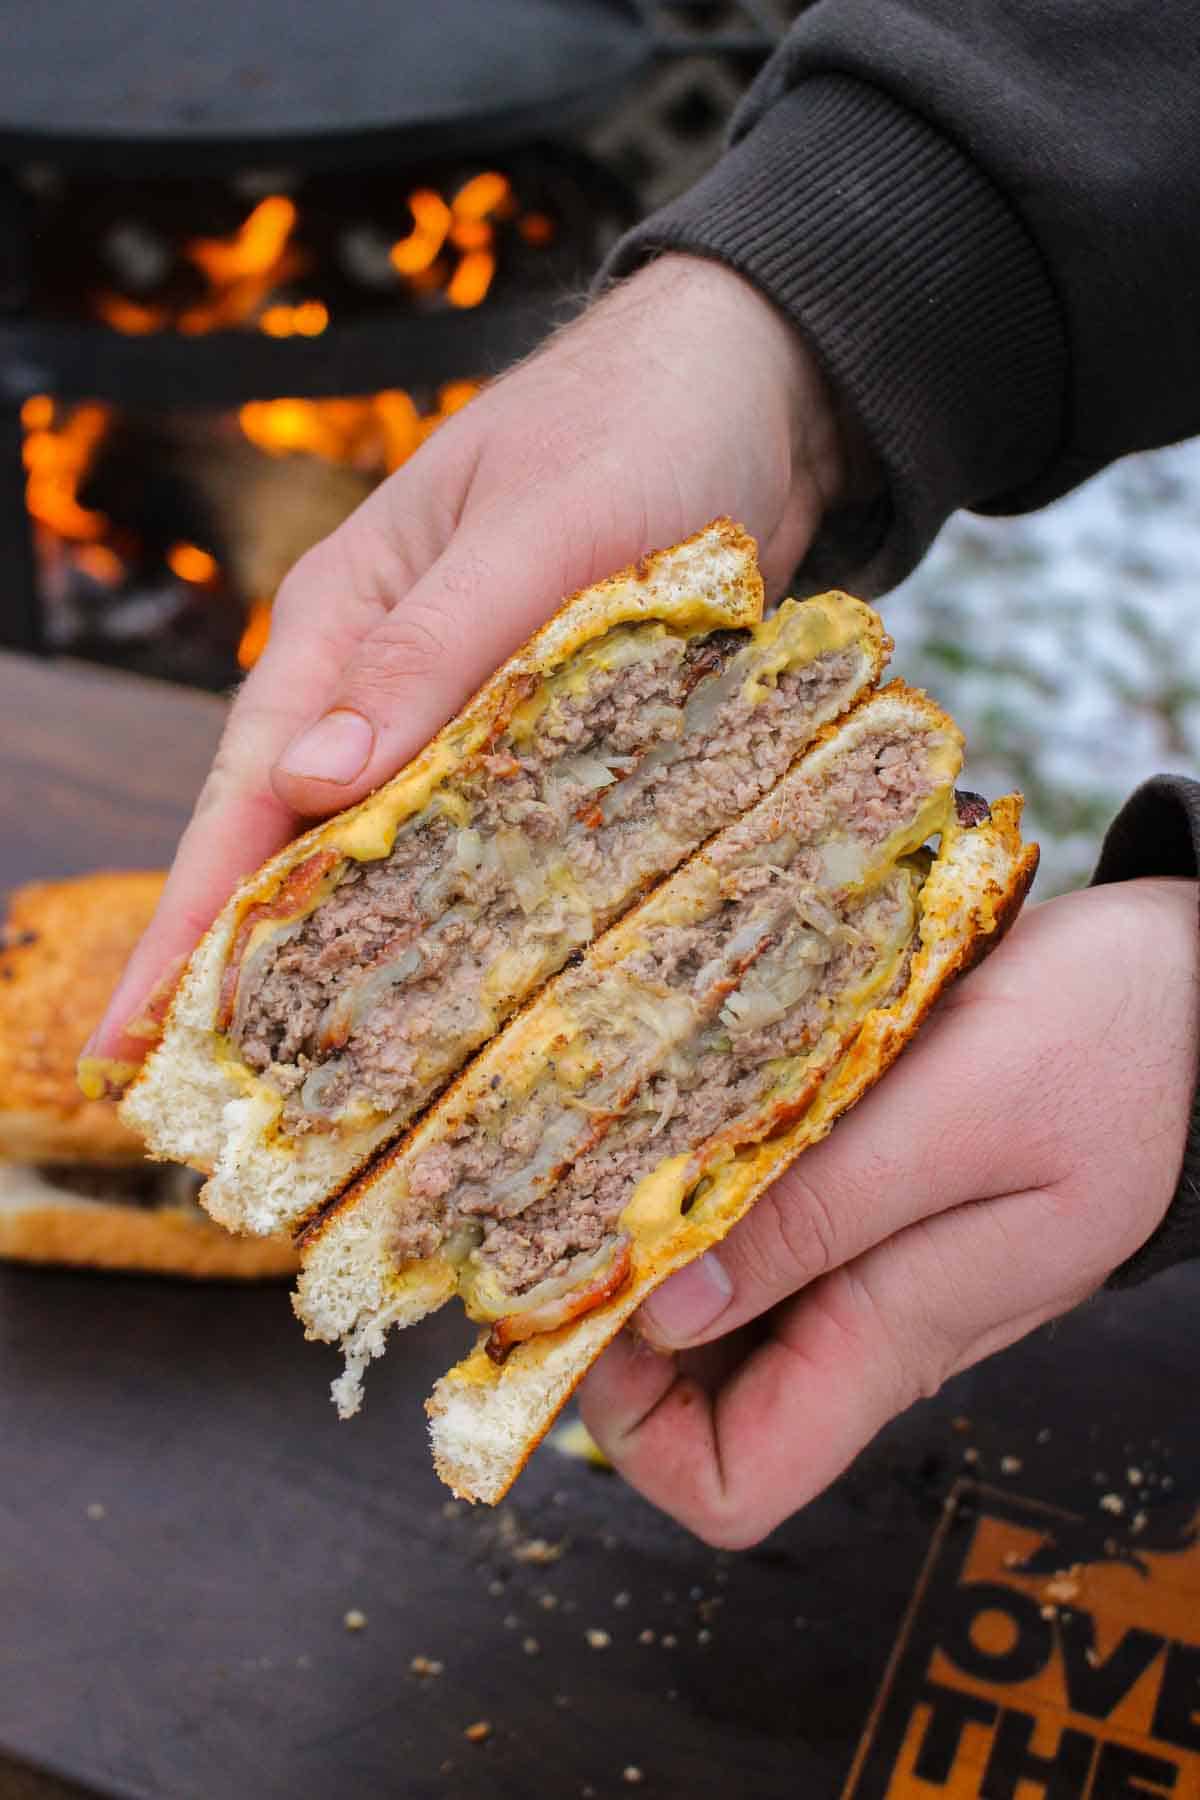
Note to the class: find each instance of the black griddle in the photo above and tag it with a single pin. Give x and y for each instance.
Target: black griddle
(221, 84)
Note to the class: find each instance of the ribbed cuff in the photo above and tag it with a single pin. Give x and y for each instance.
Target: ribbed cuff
(918, 288)
(1157, 832)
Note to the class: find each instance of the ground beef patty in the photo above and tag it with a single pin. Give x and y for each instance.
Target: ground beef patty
(376, 997)
(696, 1028)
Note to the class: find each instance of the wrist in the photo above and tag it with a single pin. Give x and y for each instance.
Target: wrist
(699, 319)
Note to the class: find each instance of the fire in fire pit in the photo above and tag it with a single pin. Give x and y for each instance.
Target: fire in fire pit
(163, 525)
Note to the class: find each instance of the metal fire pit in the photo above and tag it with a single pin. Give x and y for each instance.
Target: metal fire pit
(362, 92)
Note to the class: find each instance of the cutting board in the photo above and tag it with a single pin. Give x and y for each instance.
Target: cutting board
(185, 1527)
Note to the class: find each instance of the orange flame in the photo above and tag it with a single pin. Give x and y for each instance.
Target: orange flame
(418, 251)
(309, 319)
(536, 228)
(472, 278)
(191, 563)
(482, 196)
(57, 461)
(246, 268)
(254, 638)
(255, 247)
(130, 316)
(101, 563)
(385, 428)
(467, 225)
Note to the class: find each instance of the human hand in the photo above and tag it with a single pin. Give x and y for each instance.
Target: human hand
(681, 395)
(1024, 1146)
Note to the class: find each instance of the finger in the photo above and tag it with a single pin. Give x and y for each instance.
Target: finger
(239, 820)
(928, 1138)
(842, 1359)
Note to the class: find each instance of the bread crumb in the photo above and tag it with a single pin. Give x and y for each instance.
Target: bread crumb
(1112, 1503)
(452, 1509)
(1010, 1465)
(1091, 1657)
(669, 1640)
(479, 1732)
(511, 1621)
(1063, 1587)
(961, 1423)
(547, 1602)
(632, 1774)
(621, 1600)
(599, 1640)
(646, 1637)
(1139, 1521)
(537, 1550)
(1134, 1477)
(971, 1455)
(1043, 1436)
(355, 1620)
(1049, 1612)
(96, 1510)
(495, 1589)
(426, 1665)
(704, 1637)
(530, 1646)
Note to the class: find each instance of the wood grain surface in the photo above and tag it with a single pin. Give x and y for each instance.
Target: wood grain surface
(97, 769)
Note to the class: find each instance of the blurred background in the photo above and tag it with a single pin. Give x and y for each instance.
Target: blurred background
(251, 256)
(211, 353)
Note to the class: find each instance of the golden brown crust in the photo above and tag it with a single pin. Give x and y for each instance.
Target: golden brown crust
(63, 948)
(152, 1241)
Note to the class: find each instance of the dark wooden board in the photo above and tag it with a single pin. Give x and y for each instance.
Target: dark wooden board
(190, 1642)
(97, 769)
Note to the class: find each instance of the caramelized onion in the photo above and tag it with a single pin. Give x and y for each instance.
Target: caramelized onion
(527, 880)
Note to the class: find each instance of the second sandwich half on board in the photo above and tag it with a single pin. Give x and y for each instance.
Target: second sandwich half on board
(637, 1108)
(346, 983)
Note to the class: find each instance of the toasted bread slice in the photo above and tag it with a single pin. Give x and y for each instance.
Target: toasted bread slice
(198, 1099)
(62, 949)
(44, 1221)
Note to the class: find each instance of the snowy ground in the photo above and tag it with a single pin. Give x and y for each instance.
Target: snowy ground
(1067, 645)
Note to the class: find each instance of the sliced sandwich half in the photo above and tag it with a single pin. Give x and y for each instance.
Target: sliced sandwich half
(637, 1108)
(75, 1186)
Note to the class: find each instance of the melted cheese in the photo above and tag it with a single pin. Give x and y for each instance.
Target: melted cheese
(799, 632)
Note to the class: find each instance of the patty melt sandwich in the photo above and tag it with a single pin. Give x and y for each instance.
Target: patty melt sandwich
(345, 985)
(75, 1186)
(719, 878)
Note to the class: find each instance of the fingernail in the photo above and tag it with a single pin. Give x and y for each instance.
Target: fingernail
(687, 1304)
(337, 748)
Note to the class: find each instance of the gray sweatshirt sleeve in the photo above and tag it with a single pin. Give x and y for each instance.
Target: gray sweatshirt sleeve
(985, 219)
